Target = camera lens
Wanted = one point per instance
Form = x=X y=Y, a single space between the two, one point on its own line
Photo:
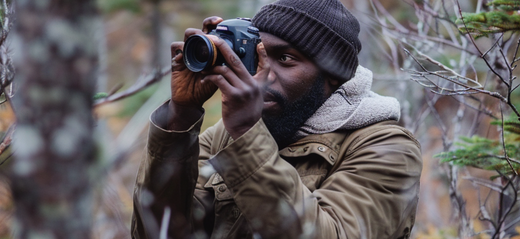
x=202 y=54
x=199 y=53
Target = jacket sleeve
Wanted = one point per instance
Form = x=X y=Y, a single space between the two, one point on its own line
x=166 y=181
x=372 y=194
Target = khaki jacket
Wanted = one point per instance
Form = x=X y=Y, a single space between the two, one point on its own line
x=349 y=184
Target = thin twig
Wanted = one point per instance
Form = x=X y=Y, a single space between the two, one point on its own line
x=137 y=87
x=502 y=215
x=442 y=66
x=504 y=142
x=493 y=94
x=466 y=27
x=7 y=139
x=483 y=210
x=484 y=111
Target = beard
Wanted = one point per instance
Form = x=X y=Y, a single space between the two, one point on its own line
x=284 y=126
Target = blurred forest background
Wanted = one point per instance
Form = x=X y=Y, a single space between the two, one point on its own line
x=133 y=44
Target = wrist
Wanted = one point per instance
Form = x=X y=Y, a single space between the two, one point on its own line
x=171 y=116
x=181 y=117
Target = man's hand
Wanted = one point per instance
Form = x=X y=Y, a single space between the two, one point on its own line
x=211 y=23
x=242 y=94
x=188 y=90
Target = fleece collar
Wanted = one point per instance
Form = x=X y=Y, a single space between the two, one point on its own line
x=353 y=105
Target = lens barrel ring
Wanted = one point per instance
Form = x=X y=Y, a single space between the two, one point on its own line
x=200 y=53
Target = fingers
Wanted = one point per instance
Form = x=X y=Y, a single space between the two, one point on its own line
x=230 y=76
x=221 y=82
x=211 y=23
x=192 y=31
x=176 y=53
x=232 y=60
x=263 y=68
x=176 y=48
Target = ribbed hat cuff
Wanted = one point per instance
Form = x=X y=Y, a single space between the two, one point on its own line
x=331 y=52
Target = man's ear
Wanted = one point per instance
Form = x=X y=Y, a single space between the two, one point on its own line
x=333 y=82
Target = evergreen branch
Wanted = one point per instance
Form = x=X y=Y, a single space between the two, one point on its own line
x=511 y=3
x=510 y=159
x=485 y=60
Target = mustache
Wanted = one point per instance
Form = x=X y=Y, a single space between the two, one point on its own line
x=278 y=97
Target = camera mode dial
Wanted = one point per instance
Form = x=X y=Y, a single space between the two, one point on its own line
x=253 y=30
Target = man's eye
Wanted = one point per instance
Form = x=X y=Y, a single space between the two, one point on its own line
x=285 y=58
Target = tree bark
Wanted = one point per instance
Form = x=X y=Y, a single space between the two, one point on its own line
x=53 y=166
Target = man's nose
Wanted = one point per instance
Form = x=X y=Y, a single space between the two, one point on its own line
x=271 y=77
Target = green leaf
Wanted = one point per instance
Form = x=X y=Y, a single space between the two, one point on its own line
x=100 y=95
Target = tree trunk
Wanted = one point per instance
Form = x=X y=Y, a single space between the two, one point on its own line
x=52 y=170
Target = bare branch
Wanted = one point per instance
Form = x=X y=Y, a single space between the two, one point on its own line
x=516 y=87
x=501 y=214
x=504 y=142
x=140 y=84
x=483 y=111
x=466 y=27
x=442 y=66
x=485 y=183
x=483 y=211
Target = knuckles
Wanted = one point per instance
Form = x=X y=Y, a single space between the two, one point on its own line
x=246 y=94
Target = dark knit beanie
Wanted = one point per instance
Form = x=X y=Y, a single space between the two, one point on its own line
x=324 y=30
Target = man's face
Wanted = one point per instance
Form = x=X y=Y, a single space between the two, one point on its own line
x=295 y=89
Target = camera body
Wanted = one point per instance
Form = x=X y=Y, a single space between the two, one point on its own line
x=201 y=54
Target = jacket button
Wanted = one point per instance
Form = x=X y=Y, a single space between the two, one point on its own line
x=332 y=158
x=236 y=212
x=321 y=149
x=222 y=188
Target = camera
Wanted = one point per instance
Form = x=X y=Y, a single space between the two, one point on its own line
x=200 y=53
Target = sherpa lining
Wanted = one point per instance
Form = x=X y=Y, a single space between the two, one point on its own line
x=353 y=105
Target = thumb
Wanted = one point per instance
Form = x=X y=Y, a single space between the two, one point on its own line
x=262 y=71
x=176 y=48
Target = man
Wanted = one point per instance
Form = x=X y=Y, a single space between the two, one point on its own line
x=304 y=148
